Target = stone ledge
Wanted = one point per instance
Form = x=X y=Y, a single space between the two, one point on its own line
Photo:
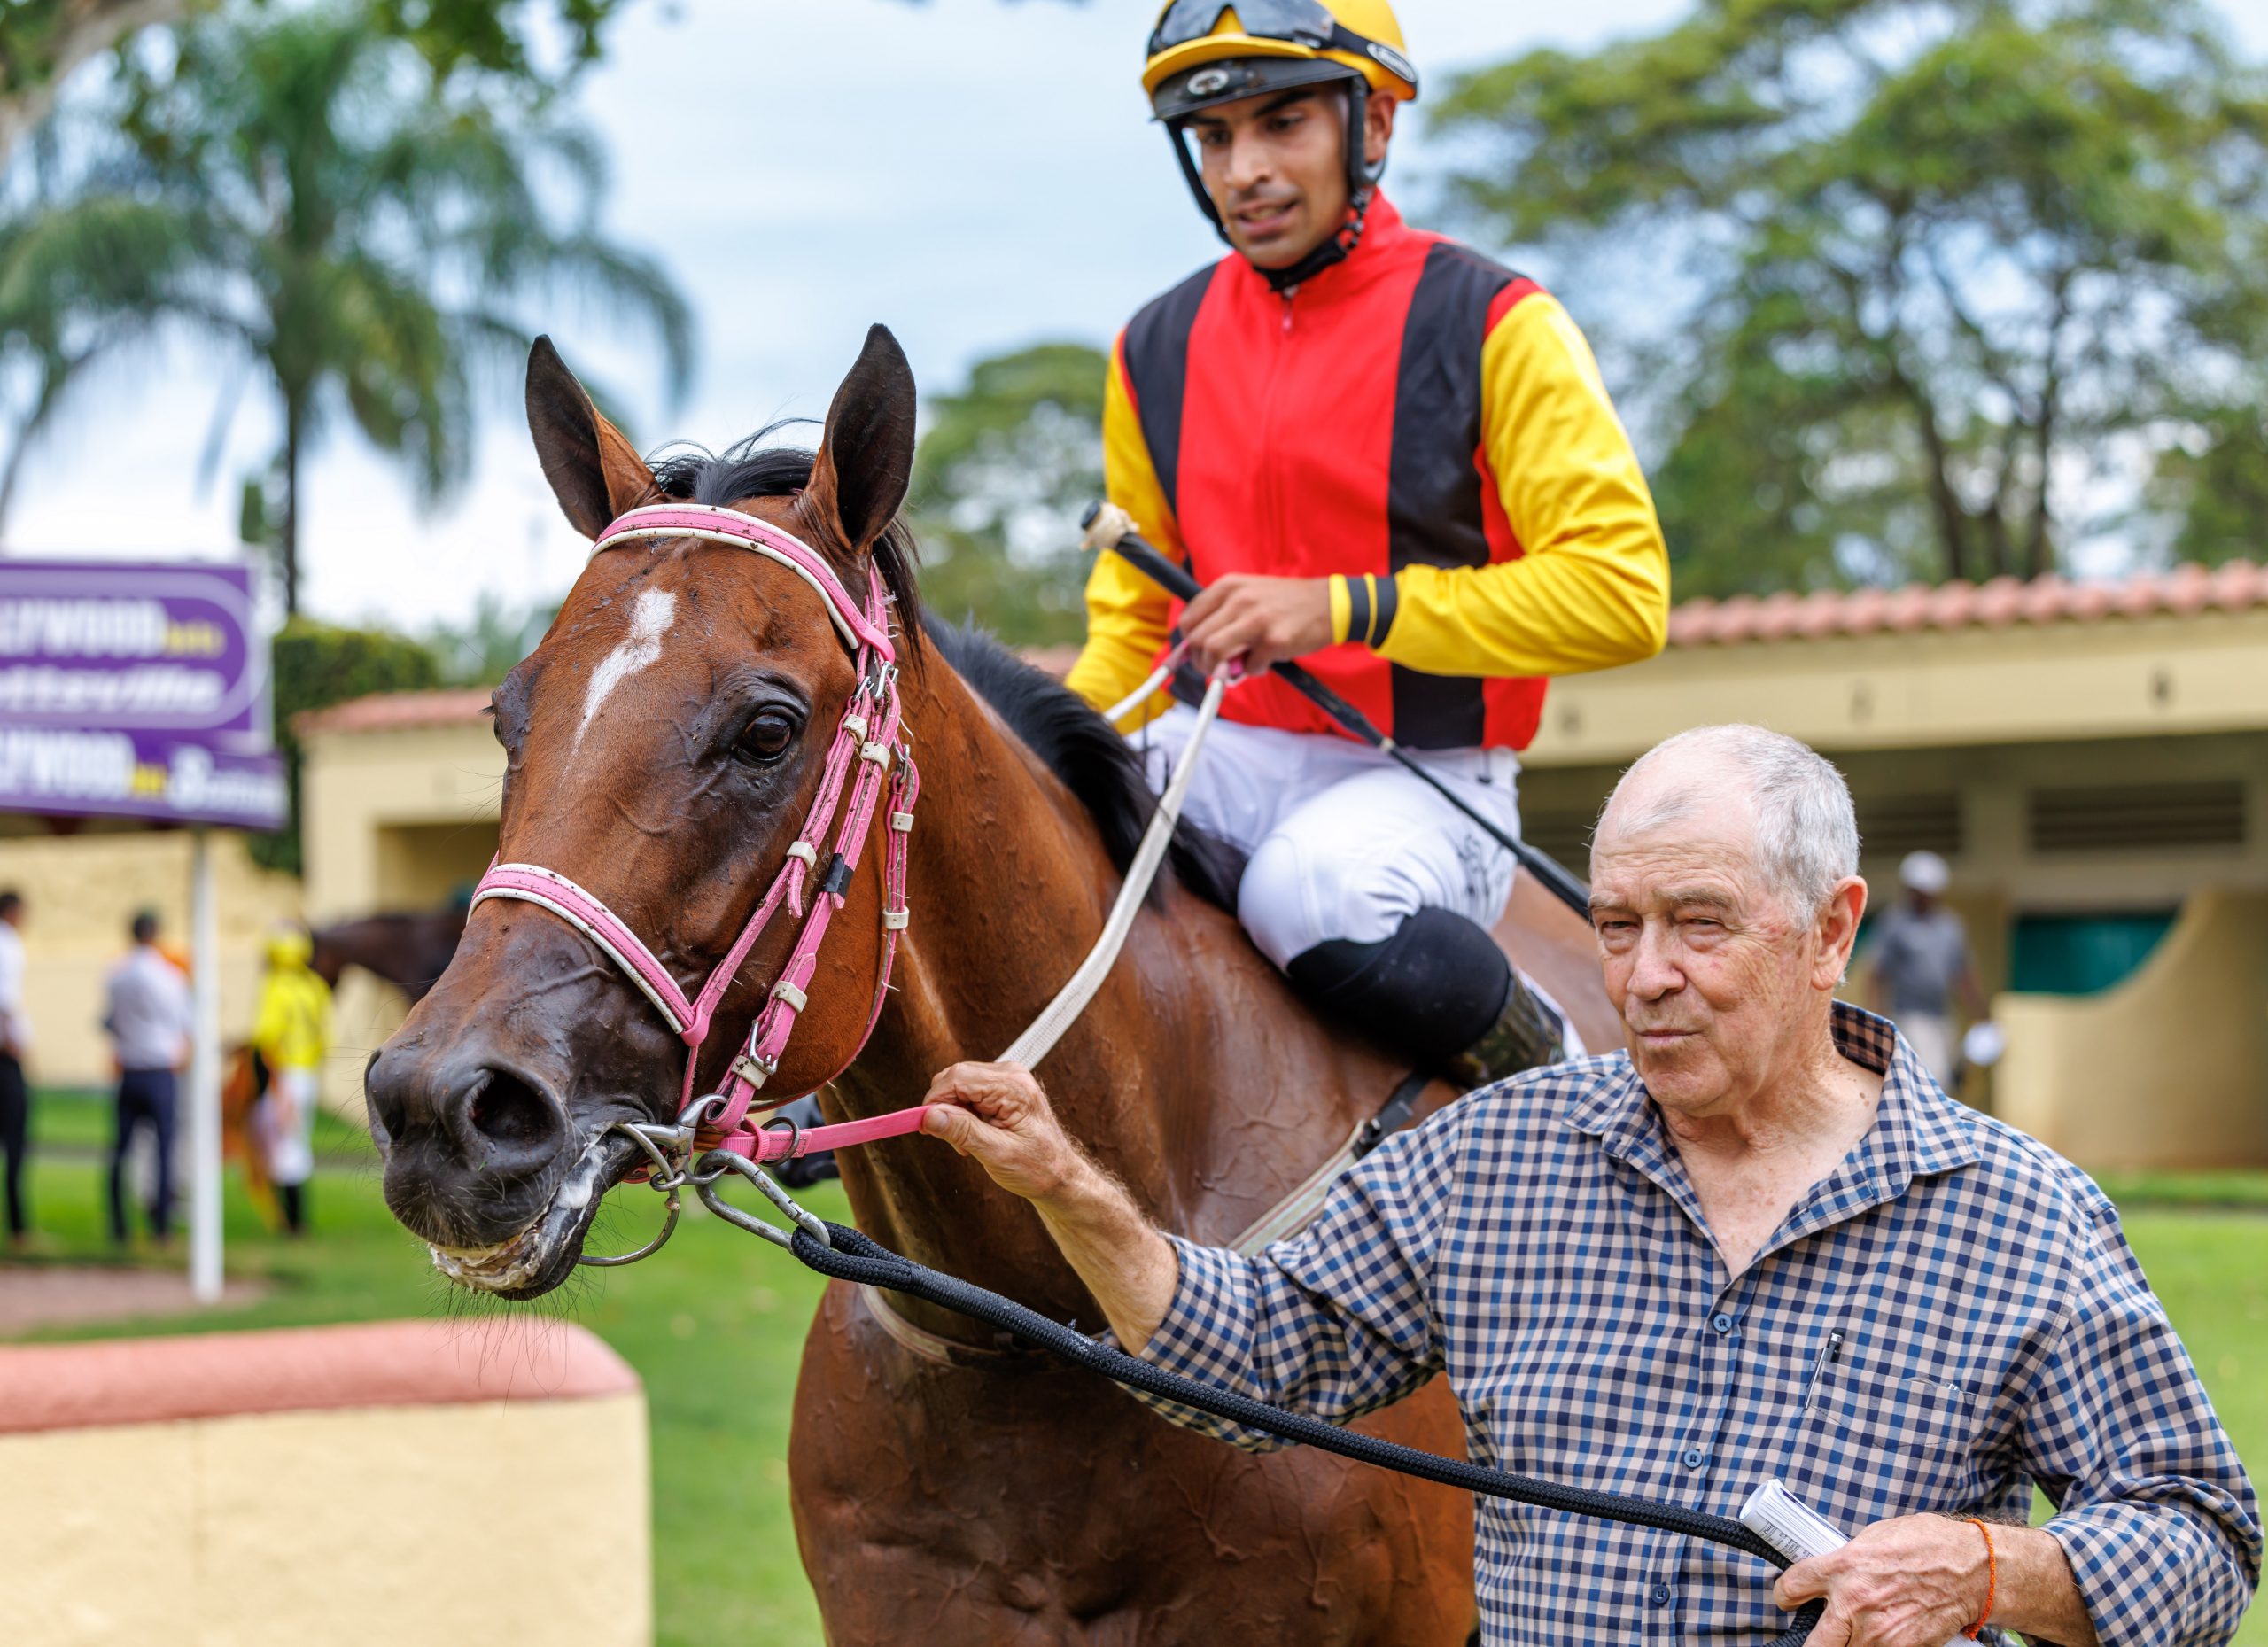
x=388 y=1363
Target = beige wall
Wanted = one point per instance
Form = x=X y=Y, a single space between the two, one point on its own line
x=374 y=1527
x=81 y=890
x=2168 y=1070
x=397 y=819
x=393 y=820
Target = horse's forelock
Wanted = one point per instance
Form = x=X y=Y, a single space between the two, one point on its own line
x=750 y=470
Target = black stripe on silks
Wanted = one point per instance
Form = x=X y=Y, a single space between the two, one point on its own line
x=1157 y=371
x=1432 y=504
x=1389 y=603
x=1358 y=609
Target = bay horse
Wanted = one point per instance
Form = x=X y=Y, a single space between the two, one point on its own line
x=664 y=745
x=409 y=949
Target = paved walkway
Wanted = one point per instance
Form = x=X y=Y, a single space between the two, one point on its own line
x=34 y=1296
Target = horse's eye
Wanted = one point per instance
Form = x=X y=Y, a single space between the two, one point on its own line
x=767 y=735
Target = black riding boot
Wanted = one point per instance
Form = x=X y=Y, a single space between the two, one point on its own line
x=1527 y=1035
x=1440 y=991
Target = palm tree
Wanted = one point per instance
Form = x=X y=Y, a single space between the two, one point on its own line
x=295 y=188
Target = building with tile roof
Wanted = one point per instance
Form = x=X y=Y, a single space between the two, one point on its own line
x=2091 y=758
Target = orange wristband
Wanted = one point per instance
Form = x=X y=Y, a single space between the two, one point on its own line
x=1991 y=1579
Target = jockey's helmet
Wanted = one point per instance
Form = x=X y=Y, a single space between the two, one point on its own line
x=1206 y=52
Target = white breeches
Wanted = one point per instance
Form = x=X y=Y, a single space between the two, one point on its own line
x=1343 y=843
x=286 y=1124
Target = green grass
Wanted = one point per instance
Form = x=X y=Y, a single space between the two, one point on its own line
x=715 y=1325
x=2236 y=1187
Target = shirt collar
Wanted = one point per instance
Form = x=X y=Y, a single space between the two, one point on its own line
x=1918 y=1130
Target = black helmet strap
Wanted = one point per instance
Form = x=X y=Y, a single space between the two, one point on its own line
x=1362 y=187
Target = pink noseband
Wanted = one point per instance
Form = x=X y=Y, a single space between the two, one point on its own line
x=867 y=740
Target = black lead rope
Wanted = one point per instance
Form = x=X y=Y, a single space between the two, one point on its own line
x=853 y=1257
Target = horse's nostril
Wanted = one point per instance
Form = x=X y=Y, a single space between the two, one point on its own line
x=507 y=1111
x=382 y=1093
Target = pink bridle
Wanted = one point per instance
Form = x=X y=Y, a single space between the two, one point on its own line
x=860 y=763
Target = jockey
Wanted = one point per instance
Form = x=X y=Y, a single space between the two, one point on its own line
x=1391 y=458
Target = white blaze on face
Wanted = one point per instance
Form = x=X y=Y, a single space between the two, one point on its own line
x=649 y=621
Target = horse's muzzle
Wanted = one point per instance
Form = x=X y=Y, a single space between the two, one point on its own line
x=473 y=1146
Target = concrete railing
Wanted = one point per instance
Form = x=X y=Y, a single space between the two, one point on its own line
x=398 y=1482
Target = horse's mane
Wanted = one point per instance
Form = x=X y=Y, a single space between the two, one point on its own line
x=749 y=468
x=1082 y=749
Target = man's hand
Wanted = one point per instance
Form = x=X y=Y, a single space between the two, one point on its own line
x=1915 y=1581
x=997 y=1116
x=1265 y=620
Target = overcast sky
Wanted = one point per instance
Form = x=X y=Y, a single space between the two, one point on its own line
x=976 y=175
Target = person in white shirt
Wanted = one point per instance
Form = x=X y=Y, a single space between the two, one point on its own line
x=146 y=1011
x=15 y=1041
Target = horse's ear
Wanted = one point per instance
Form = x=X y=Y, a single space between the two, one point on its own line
x=594 y=472
x=865 y=458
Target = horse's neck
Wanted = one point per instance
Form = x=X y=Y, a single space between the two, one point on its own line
x=407 y=950
x=1192 y=1076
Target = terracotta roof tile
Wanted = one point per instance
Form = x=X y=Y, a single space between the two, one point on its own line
x=395 y=712
x=2184 y=592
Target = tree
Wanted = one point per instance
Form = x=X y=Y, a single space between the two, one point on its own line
x=298 y=189
x=43 y=41
x=1009 y=462
x=483 y=651
x=1933 y=288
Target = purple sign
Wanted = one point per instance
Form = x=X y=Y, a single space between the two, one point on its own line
x=135 y=690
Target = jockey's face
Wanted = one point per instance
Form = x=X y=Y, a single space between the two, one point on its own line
x=1276 y=166
x=1724 y=988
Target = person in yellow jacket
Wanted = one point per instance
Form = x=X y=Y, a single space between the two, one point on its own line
x=291 y=1035
x=1392 y=458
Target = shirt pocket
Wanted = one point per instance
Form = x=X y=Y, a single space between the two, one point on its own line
x=1893 y=1406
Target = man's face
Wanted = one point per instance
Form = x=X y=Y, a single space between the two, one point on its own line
x=1721 y=987
x=1276 y=167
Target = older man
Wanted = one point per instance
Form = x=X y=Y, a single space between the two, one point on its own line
x=1758 y=1242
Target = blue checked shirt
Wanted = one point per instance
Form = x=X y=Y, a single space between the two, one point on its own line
x=1951 y=1316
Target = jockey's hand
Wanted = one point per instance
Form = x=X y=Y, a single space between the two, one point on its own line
x=1913 y=1581
x=1265 y=620
x=997 y=1116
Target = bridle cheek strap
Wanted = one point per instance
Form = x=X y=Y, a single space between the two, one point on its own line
x=867 y=760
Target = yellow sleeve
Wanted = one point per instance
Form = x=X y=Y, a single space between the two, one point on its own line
x=1592 y=588
x=1128 y=616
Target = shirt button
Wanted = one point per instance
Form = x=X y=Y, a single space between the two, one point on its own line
x=1692 y=1458
x=1661 y=1595
x=1723 y=1322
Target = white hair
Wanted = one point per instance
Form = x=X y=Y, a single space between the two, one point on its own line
x=1806 y=831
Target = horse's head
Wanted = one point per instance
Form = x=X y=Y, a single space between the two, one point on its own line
x=664 y=745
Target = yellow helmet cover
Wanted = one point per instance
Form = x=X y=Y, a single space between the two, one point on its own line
x=1261 y=46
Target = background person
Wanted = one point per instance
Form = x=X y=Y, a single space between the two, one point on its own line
x=1758 y=1242
x=1919 y=961
x=146 y=1012
x=15 y=1041
x=290 y=1036
x=1395 y=459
